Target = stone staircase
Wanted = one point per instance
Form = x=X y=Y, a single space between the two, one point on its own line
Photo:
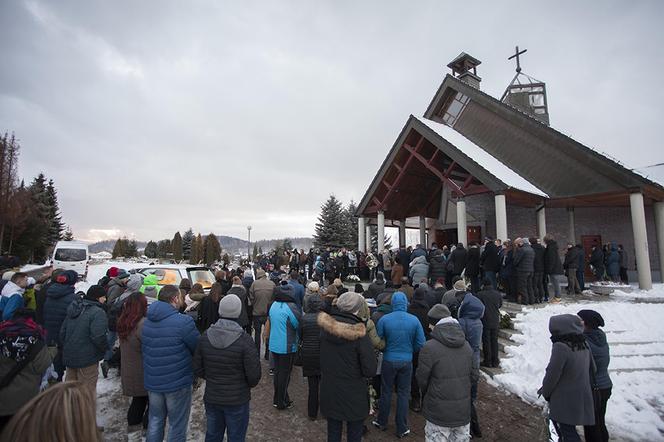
x=505 y=338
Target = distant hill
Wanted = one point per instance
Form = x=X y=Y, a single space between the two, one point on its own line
x=228 y=243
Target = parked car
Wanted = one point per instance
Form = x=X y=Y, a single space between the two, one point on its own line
x=174 y=273
x=71 y=255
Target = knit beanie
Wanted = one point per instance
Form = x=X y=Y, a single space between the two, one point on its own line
x=230 y=307
x=438 y=312
x=350 y=302
x=460 y=285
x=95 y=292
x=313 y=287
x=591 y=318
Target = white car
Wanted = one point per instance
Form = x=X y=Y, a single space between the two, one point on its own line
x=71 y=255
x=174 y=273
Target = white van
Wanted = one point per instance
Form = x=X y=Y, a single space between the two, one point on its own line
x=71 y=255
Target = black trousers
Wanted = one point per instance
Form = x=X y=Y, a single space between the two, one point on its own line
x=598 y=432
x=283 y=364
x=490 y=346
x=138 y=411
x=623 y=275
x=335 y=430
x=414 y=386
x=538 y=284
x=312 y=401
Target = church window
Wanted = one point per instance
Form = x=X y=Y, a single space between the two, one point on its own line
x=455 y=108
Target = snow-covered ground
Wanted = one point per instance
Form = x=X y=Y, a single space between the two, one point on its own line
x=30 y=267
x=635 y=331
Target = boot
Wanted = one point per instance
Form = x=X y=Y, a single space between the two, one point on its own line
x=475 y=431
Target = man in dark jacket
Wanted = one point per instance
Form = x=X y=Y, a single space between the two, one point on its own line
x=524 y=259
x=228 y=360
x=538 y=270
x=376 y=287
x=437 y=265
x=473 y=266
x=570 y=265
x=83 y=337
x=445 y=374
x=58 y=297
x=597 y=261
x=581 y=269
x=457 y=261
x=552 y=267
x=169 y=340
x=310 y=351
x=260 y=295
x=346 y=360
x=490 y=261
x=492 y=300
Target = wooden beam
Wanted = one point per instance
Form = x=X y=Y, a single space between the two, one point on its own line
x=455 y=187
x=401 y=174
x=467 y=182
x=449 y=169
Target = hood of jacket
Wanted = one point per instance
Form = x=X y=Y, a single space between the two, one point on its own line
x=565 y=325
x=471 y=307
x=596 y=336
x=223 y=333
x=12 y=289
x=77 y=307
x=58 y=290
x=399 y=302
x=160 y=310
x=438 y=257
x=115 y=281
x=198 y=297
x=135 y=282
x=419 y=260
x=150 y=280
x=347 y=328
x=449 y=334
x=314 y=303
x=284 y=293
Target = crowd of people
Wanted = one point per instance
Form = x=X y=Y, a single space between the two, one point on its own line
x=416 y=330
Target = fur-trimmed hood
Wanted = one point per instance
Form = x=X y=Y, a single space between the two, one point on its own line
x=343 y=326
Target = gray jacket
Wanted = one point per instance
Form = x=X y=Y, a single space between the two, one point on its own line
x=419 y=269
x=566 y=384
x=83 y=334
x=445 y=372
x=524 y=258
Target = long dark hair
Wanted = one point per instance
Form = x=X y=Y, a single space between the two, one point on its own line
x=134 y=309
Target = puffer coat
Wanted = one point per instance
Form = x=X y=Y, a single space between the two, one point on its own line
x=131 y=369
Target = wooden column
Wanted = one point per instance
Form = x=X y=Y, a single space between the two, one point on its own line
x=640 y=241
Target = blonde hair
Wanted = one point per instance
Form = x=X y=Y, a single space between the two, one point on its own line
x=64 y=412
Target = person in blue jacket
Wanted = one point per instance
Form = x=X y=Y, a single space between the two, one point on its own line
x=58 y=297
x=285 y=318
x=403 y=336
x=12 y=295
x=470 y=320
x=298 y=289
x=169 y=340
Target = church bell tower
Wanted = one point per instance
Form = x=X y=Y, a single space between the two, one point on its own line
x=526 y=93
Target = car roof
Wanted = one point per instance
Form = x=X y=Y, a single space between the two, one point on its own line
x=174 y=267
x=71 y=245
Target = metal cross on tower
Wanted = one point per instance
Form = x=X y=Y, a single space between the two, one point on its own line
x=516 y=55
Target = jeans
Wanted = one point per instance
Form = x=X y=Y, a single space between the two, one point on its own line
x=556 y=286
x=399 y=373
x=111 y=336
x=491 y=276
x=312 y=401
x=598 y=432
x=335 y=430
x=581 y=278
x=175 y=405
x=283 y=364
x=259 y=322
x=230 y=419
x=566 y=432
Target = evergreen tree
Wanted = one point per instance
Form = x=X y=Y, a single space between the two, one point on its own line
x=287 y=244
x=9 y=149
x=255 y=252
x=121 y=247
x=187 y=241
x=226 y=259
x=56 y=226
x=35 y=239
x=68 y=235
x=212 y=249
x=374 y=240
x=260 y=250
x=350 y=224
x=196 y=250
x=132 y=249
x=164 y=248
x=329 y=230
x=151 y=249
x=176 y=246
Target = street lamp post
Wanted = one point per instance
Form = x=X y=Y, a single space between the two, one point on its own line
x=249 y=243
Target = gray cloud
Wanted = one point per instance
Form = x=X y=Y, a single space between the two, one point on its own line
x=156 y=116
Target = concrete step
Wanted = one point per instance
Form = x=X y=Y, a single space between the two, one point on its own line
x=507 y=333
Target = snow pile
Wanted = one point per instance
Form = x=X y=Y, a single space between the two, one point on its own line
x=31 y=267
x=635 y=332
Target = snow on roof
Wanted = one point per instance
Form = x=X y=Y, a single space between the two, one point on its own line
x=487 y=161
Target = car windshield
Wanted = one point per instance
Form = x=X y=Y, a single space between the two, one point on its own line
x=164 y=276
x=69 y=255
x=204 y=277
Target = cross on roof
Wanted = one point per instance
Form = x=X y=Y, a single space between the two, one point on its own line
x=516 y=55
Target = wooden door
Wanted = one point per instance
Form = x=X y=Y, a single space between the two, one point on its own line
x=446 y=237
x=474 y=234
x=587 y=241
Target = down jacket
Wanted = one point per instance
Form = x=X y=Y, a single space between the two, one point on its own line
x=470 y=320
x=437 y=266
x=445 y=372
x=311 y=338
x=83 y=334
x=552 y=264
x=58 y=298
x=524 y=259
x=419 y=270
x=169 y=341
x=346 y=359
x=227 y=358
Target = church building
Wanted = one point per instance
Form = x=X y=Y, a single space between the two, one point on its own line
x=474 y=166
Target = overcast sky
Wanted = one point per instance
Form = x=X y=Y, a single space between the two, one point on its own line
x=154 y=116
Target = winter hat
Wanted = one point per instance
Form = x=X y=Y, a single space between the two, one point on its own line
x=371 y=303
x=248 y=273
x=7 y=275
x=112 y=272
x=260 y=273
x=380 y=276
x=359 y=288
x=230 y=307
x=123 y=274
x=313 y=287
x=460 y=285
x=438 y=312
x=31 y=281
x=95 y=292
x=68 y=277
x=338 y=282
x=350 y=302
x=135 y=282
x=591 y=318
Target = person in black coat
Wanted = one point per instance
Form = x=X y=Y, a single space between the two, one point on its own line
x=437 y=265
x=228 y=360
x=552 y=266
x=538 y=270
x=570 y=265
x=420 y=308
x=597 y=261
x=492 y=300
x=310 y=352
x=490 y=261
x=458 y=258
x=346 y=360
x=473 y=266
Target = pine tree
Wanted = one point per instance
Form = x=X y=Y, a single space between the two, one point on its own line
x=120 y=248
x=260 y=250
x=34 y=241
x=54 y=218
x=226 y=259
x=212 y=249
x=187 y=241
x=350 y=224
x=68 y=235
x=132 y=249
x=196 y=250
x=329 y=230
x=164 y=248
x=287 y=244
x=254 y=254
x=9 y=149
x=150 y=249
x=176 y=246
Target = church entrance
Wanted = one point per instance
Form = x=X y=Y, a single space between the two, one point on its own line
x=587 y=241
x=447 y=237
